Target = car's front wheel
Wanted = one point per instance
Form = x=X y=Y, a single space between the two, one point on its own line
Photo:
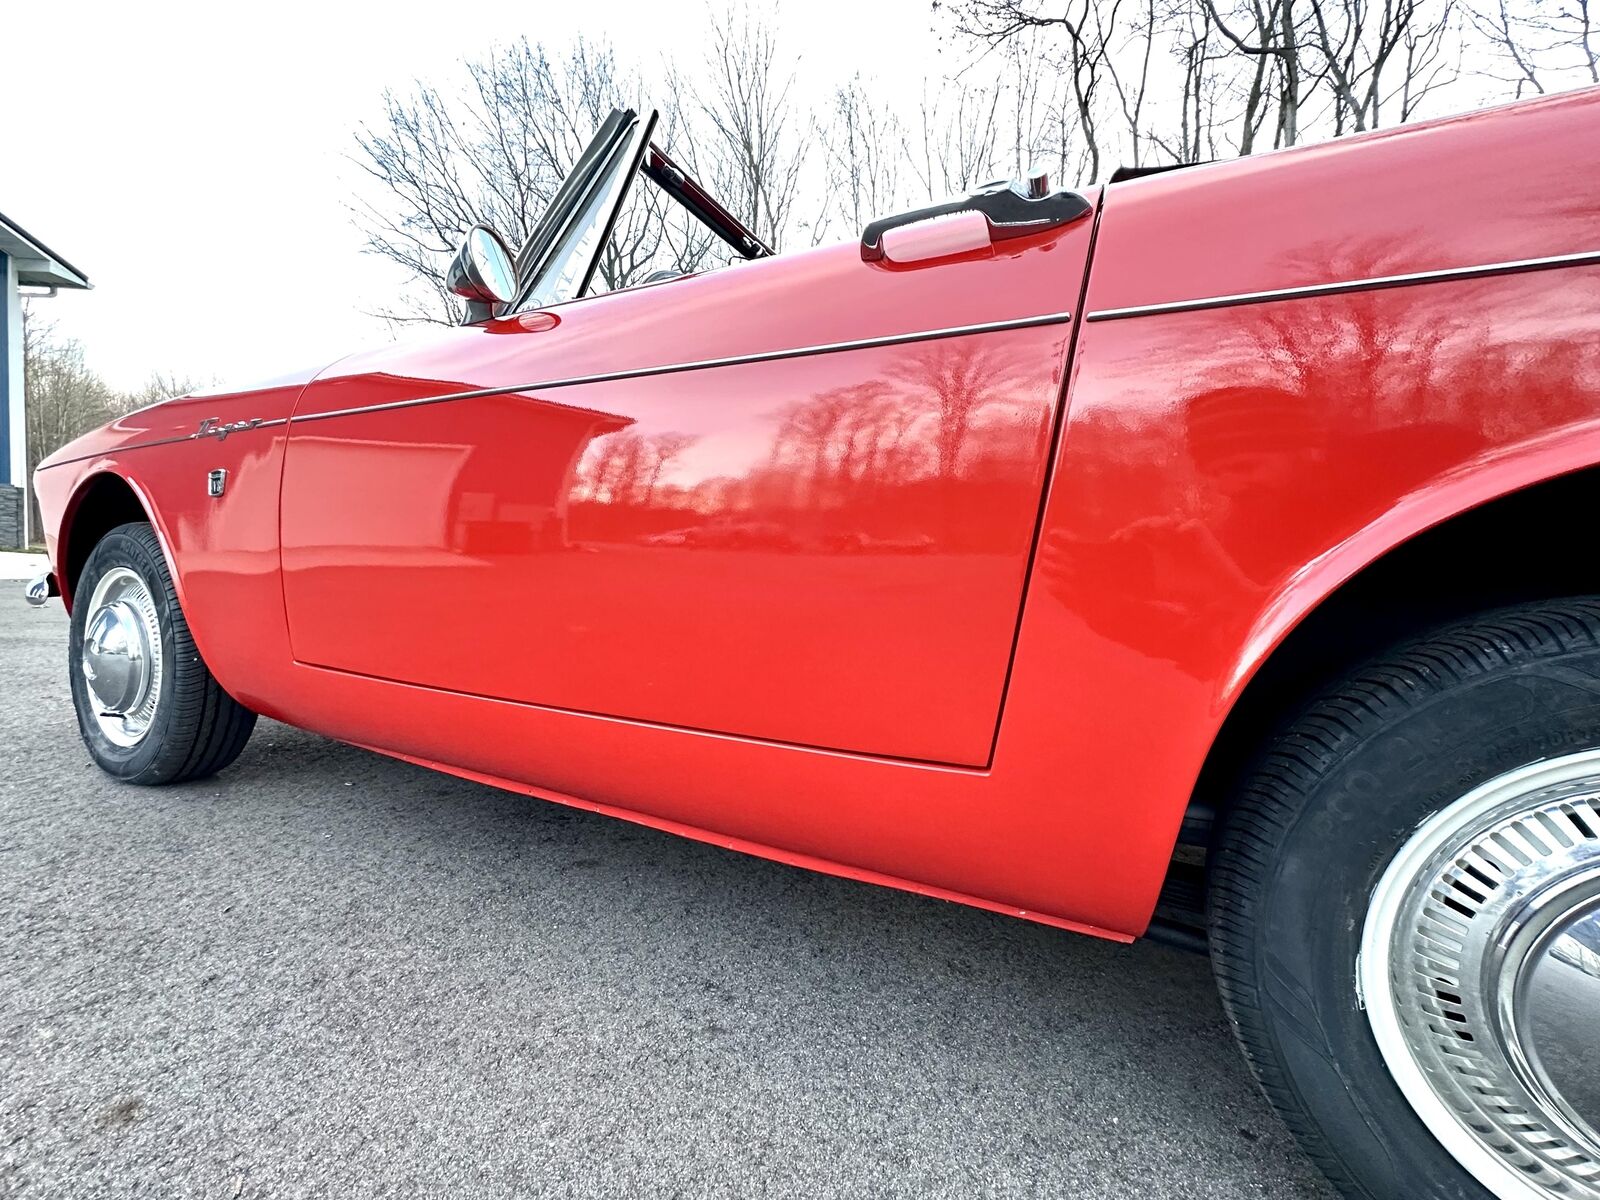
x=148 y=708
x=1405 y=915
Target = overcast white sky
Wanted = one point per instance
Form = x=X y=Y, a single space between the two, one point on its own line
x=192 y=158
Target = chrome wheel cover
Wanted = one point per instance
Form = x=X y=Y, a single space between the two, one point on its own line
x=121 y=656
x=1480 y=974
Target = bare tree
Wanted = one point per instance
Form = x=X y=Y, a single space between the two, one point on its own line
x=1535 y=45
x=1073 y=85
x=1193 y=135
x=1507 y=46
x=64 y=397
x=1268 y=34
x=495 y=152
x=1363 y=46
x=1582 y=38
x=1132 y=92
x=1248 y=73
x=863 y=146
x=162 y=385
x=1082 y=30
x=744 y=109
x=958 y=139
x=1120 y=96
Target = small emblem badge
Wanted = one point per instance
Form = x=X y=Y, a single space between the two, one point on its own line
x=216 y=481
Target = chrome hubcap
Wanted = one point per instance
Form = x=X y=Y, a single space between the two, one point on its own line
x=1480 y=973
x=1558 y=1012
x=121 y=660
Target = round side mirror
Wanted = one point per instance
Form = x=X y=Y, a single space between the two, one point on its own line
x=481 y=270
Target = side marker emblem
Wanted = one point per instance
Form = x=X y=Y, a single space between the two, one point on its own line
x=212 y=427
x=216 y=482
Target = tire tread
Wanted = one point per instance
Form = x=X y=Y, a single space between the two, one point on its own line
x=207 y=728
x=1275 y=789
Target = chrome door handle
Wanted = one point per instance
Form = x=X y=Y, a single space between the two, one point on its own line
x=1009 y=208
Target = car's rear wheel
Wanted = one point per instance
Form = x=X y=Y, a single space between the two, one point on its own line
x=1405 y=914
x=148 y=708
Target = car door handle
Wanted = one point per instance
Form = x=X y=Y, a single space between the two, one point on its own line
x=1009 y=210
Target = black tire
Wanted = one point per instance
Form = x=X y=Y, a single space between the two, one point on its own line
x=197 y=729
x=1315 y=822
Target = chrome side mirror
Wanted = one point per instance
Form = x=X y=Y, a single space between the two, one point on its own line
x=482 y=273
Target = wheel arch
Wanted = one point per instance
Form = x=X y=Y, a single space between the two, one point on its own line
x=1510 y=546
x=103 y=499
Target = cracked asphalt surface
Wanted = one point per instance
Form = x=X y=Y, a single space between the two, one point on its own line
x=325 y=972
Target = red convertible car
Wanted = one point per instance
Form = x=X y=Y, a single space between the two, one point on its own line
x=1198 y=554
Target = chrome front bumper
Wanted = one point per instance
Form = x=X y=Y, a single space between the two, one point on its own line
x=40 y=588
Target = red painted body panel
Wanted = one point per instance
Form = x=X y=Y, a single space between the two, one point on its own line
x=176 y=420
x=1485 y=187
x=828 y=551
x=223 y=553
x=1217 y=474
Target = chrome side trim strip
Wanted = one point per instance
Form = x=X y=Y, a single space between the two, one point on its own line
x=926 y=335
x=703 y=364
x=1375 y=283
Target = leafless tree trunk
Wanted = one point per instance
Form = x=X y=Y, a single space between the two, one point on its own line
x=1132 y=92
x=1362 y=45
x=1082 y=29
x=1268 y=35
x=1194 y=136
x=1534 y=42
x=1585 y=39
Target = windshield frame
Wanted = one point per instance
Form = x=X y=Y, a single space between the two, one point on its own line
x=616 y=149
x=623 y=143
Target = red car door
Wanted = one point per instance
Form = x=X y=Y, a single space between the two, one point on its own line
x=791 y=500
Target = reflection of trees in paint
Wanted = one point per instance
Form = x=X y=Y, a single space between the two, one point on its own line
x=896 y=461
x=1209 y=456
x=880 y=432
x=626 y=467
x=960 y=378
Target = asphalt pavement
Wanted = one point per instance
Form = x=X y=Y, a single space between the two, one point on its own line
x=328 y=973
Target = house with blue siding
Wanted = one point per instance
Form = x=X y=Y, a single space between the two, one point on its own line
x=27 y=267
